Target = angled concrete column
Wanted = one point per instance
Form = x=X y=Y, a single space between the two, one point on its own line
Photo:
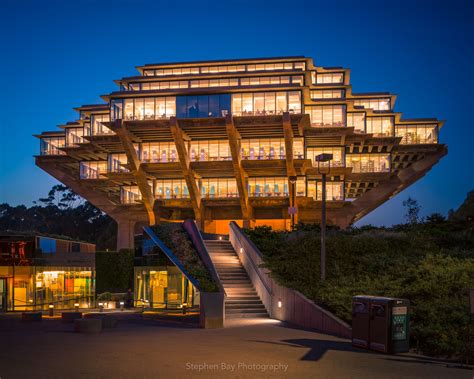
x=234 y=144
x=188 y=173
x=125 y=234
x=290 y=166
x=136 y=169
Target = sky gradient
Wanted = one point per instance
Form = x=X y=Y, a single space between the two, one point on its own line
x=59 y=55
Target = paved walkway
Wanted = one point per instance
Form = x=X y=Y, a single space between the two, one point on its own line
x=246 y=348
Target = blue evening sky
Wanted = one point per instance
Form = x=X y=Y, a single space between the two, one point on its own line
x=58 y=55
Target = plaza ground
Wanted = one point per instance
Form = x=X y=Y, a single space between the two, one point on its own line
x=148 y=348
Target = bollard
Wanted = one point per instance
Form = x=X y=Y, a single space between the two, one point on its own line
x=51 y=310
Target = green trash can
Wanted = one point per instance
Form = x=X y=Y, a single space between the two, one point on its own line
x=381 y=324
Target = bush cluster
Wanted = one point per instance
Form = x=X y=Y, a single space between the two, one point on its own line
x=431 y=264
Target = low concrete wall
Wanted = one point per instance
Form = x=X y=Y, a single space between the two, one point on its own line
x=295 y=307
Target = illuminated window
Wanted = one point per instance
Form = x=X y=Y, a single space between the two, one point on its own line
x=130 y=195
x=74 y=136
x=337 y=154
x=327 y=94
x=158 y=152
x=330 y=78
x=218 y=187
x=327 y=115
x=116 y=162
x=266 y=103
x=93 y=169
x=51 y=145
x=356 y=121
x=375 y=104
x=362 y=163
x=380 y=126
x=417 y=133
x=268 y=187
x=334 y=190
x=170 y=189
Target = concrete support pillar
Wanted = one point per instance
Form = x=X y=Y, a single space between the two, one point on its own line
x=125 y=234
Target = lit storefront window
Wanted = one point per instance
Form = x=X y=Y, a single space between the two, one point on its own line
x=93 y=169
x=337 y=153
x=266 y=103
x=380 y=126
x=163 y=287
x=218 y=187
x=417 y=134
x=35 y=287
x=210 y=150
x=362 y=163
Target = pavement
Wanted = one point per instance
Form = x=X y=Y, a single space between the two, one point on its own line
x=139 y=348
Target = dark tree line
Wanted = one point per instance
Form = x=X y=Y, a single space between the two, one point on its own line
x=61 y=213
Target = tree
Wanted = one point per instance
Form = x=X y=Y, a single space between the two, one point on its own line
x=412 y=210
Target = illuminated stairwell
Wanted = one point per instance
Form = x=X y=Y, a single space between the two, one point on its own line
x=242 y=300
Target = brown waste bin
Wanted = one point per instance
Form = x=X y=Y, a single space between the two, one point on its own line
x=380 y=323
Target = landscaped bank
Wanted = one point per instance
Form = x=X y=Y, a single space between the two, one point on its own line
x=431 y=264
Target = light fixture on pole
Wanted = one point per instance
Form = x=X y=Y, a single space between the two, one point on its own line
x=292 y=209
x=323 y=158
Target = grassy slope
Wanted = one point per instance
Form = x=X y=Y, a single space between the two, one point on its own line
x=431 y=264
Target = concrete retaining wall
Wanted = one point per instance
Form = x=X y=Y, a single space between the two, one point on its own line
x=283 y=303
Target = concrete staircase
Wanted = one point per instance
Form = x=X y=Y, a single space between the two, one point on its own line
x=242 y=300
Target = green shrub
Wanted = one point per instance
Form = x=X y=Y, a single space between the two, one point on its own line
x=114 y=270
x=430 y=264
x=176 y=239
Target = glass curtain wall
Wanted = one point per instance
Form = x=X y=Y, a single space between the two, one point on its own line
x=74 y=136
x=329 y=78
x=93 y=169
x=327 y=94
x=356 y=121
x=218 y=187
x=334 y=190
x=202 y=106
x=380 y=126
x=375 y=104
x=362 y=163
x=417 y=134
x=337 y=153
x=327 y=115
x=130 y=195
x=170 y=189
x=163 y=287
x=51 y=145
x=210 y=150
x=35 y=287
x=266 y=103
x=97 y=127
x=145 y=108
x=116 y=162
x=158 y=152
x=270 y=148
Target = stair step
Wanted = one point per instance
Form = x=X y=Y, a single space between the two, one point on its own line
x=246 y=315
x=245 y=306
x=246 y=310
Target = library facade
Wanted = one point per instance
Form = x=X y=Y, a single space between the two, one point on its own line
x=237 y=140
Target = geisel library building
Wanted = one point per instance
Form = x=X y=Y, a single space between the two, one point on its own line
x=227 y=140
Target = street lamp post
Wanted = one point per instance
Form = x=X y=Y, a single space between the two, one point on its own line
x=292 y=201
x=323 y=158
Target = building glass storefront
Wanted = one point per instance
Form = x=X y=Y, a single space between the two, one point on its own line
x=163 y=287
x=26 y=288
